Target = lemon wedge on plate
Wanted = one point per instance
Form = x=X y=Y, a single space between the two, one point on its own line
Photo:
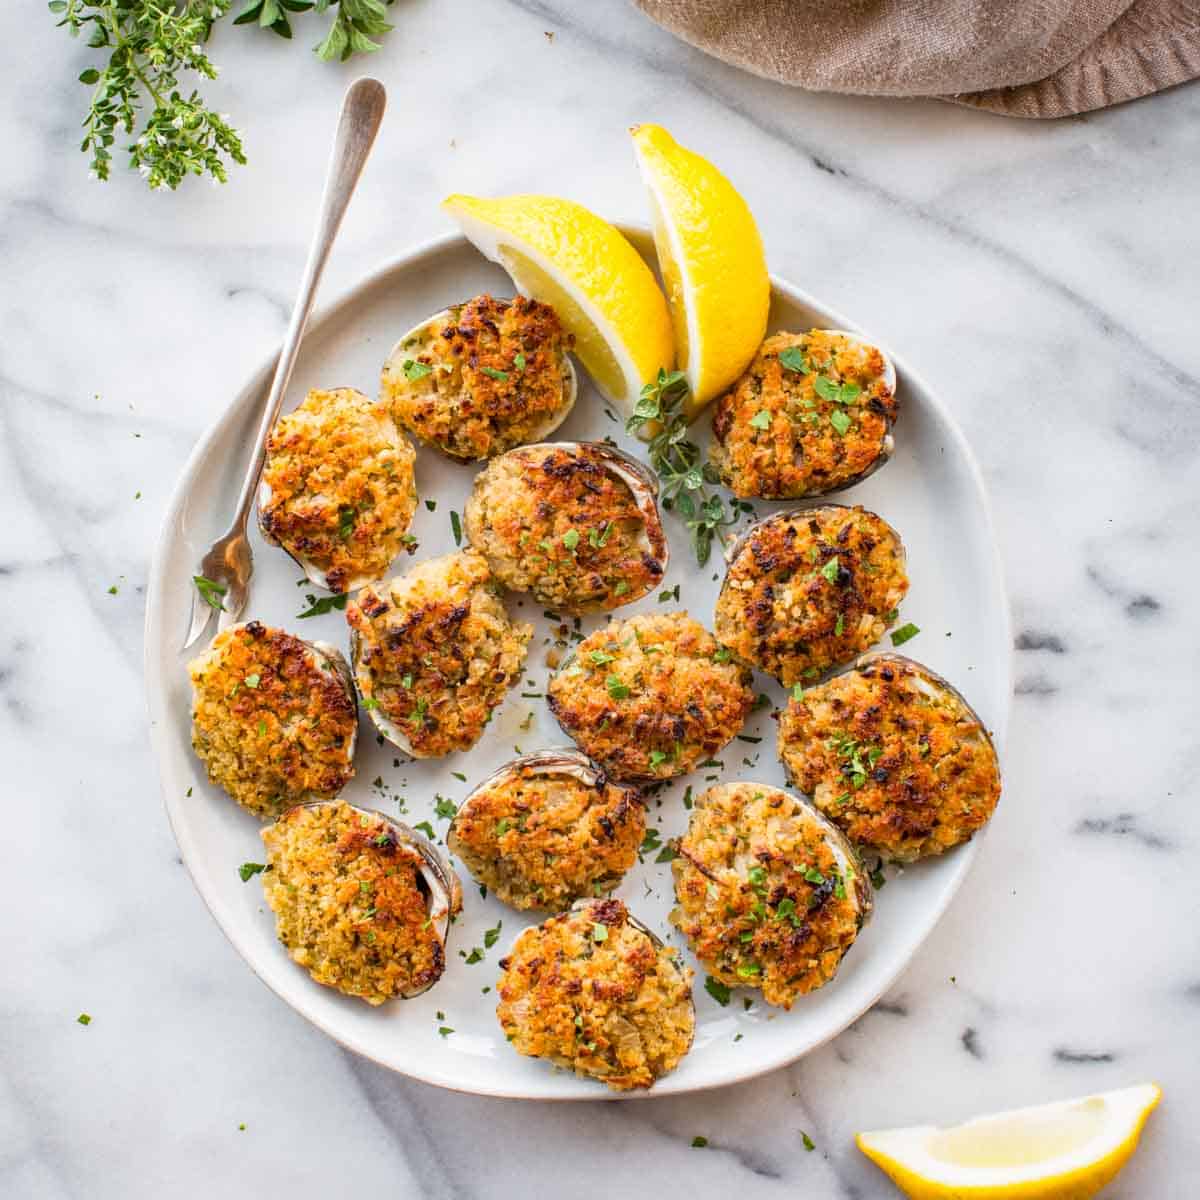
x=711 y=258
x=562 y=254
x=1063 y=1151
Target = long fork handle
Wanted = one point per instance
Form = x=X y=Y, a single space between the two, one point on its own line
x=362 y=111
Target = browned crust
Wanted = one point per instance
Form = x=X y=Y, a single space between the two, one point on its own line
x=811 y=590
x=801 y=452
x=614 y=1008
x=342 y=491
x=893 y=757
x=762 y=898
x=436 y=651
x=271 y=727
x=350 y=903
x=540 y=840
x=479 y=400
x=558 y=522
x=687 y=698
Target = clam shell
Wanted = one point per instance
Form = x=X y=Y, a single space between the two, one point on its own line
x=418 y=337
x=444 y=889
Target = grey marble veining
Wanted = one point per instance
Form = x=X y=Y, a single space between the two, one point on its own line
x=1044 y=280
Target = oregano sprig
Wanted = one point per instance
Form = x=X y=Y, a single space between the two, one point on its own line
x=682 y=474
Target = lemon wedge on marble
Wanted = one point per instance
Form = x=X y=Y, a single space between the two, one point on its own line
x=711 y=259
x=559 y=252
x=1063 y=1151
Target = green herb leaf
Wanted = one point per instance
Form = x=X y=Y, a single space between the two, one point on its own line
x=325 y=604
x=904 y=634
x=761 y=420
x=840 y=421
x=491 y=936
x=570 y=539
x=347 y=516
x=456 y=527
x=443 y=808
x=838 y=393
x=717 y=990
x=793 y=360
x=84 y=1019
x=492 y=373
x=247 y=869
x=616 y=689
x=426 y=829
x=519 y=362
x=809 y=1144
x=414 y=370
x=597 y=538
x=698 y=1143
x=599 y=933
x=830 y=569
x=210 y=592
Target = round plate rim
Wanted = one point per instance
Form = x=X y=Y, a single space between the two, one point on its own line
x=158 y=710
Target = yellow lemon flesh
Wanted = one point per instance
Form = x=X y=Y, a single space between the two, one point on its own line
x=1063 y=1151
x=560 y=253
x=711 y=258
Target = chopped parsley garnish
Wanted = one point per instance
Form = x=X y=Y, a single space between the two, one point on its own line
x=417 y=719
x=317 y=608
x=347 y=515
x=812 y=875
x=830 y=569
x=793 y=360
x=431 y=505
x=414 y=370
x=809 y=1144
x=570 y=539
x=599 y=933
x=252 y=681
x=456 y=527
x=670 y=594
x=490 y=936
x=761 y=420
x=475 y=956
x=723 y=655
x=598 y=538
x=717 y=990
x=687 y=797
x=656 y=757
x=666 y=854
x=492 y=373
x=840 y=421
x=797 y=691
x=840 y=627
x=426 y=829
x=600 y=657
x=519 y=361
x=698 y=1143
x=459 y=776
x=904 y=634
x=622 y=586
x=503 y=826
x=444 y=808
x=877 y=877
x=210 y=592
x=247 y=869
x=651 y=841
x=616 y=689
x=112 y=591
x=749 y=970
x=838 y=393
x=445 y=1030
x=84 y=1019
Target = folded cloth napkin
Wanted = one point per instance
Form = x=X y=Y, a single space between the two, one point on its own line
x=1022 y=58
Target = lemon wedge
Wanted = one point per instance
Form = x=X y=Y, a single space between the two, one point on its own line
x=1063 y=1151
x=562 y=254
x=711 y=259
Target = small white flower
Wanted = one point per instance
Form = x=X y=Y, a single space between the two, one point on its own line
x=177 y=123
x=197 y=49
x=142 y=140
x=158 y=137
x=143 y=170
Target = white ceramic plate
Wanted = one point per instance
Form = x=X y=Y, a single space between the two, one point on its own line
x=931 y=492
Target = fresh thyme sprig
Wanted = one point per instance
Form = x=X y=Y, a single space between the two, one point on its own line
x=681 y=472
x=151 y=44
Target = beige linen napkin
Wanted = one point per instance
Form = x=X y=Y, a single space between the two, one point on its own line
x=1022 y=58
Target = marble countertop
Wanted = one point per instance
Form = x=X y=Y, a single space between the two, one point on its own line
x=1043 y=279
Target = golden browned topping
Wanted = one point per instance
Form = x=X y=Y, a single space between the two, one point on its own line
x=487 y=376
x=559 y=521
x=351 y=904
x=541 y=836
x=894 y=756
x=651 y=697
x=810 y=414
x=591 y=992
x=807 y=591
x=769 y=895
x=273 y=718
x=434 y=653
x=339 y=482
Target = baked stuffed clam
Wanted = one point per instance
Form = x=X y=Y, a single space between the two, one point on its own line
x=574 y=523
x=434 y=653
x=594 y=991
x=807 y=590
x=481 y=377
x=337 y=490
x=274 y=718
x=812 y=414
x=547 y=829
x=894 y=756
x=362 y=902
x=770 y=894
